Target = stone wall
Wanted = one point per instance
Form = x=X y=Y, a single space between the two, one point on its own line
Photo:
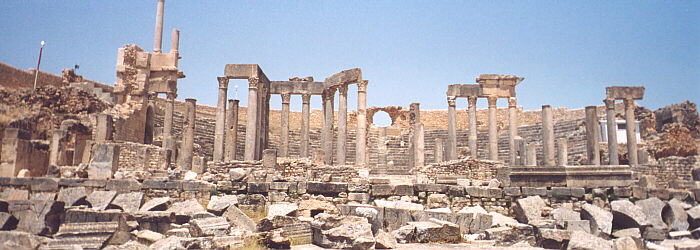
x=466 y=168
x=135 y=156
x=671 y=172
x=13 y=78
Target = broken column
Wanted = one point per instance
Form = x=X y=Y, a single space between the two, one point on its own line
x=284 y=135
x=631 y=133
x=232 y=130
x=168 y=139
x=104 y=128
x=439 y=150
x=493 y=132
x=451 y=151
x=512 y=128
x=305 y=116
x=188 y=138
x=612 y=131
x=220 y=129
x=473 y=148
x=327 y=133
x=57 y=150
x=547 y=136
x=563 y=152
x=157 y=41
x=592 y=146
x=520 y=149
x=531 y=154
x=361 y=137
x=342 y=122
x=416 y=158
x=251 y=119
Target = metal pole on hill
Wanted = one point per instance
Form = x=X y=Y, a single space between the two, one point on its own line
x=36 y=74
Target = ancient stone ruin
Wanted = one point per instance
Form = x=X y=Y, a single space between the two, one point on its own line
x=88 y=165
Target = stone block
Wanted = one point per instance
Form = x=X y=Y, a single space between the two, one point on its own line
x=269 y=158
x=314 y=187
x=560 y=192
x=128 y=202
x=156 y=204
x=258 y=187
x=529 y=209
x=530 y=191
x=382 y=190
x=213 y=226
x=359 y=197
x=622 y=192
x=72 y=196
x=123 y=186
x=279 y=186
x=196 y=185
x=600 y=219
x=578 y=192
x=14 y=194
x=395 y=218
x=578 y=225
x=429 y=187
x=357 y=187
x=494 y=193
x=477 y=191
x=404 y=190
x=651 y=233
x=512 y=191
x=43 y=184
x=639 y=192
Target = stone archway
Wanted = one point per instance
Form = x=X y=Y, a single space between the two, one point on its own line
x=398 y=115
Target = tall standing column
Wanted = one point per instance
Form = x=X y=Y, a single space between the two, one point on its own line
x=305 y=116
x=473 y=146
x=592 y=146
x=168 y=122
x=284 y=136
x=493 y=132
x=158 y=39
x=512 y=128
x=547 y=135
x=251 y=119
x=563 y=152
x=342 y=122
x=631 y=133
x=417 y=148
x=188 y=142
x=361 y=140
x=232 y=130
x=327 y=135
x=612 y=131
x=220 y=129
x=451 y=151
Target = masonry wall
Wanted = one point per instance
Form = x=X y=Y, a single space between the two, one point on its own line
x=671 y=172
x=11 y=77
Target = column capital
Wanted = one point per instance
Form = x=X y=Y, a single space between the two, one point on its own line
x=451 y=101
x=171 y=96
x=609 y=103
x=306 y=98
x=343 y=90
x=223 y=82
x=285 y=98
x=512 y=102
x=328 y=93
x=492 y=101
x=191 y=100
x=628 y=101
x=253 y=82
x=472 y=101
x=362 y=86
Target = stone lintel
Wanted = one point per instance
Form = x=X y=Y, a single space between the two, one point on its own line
x=245 y=71
x=463 y=90
x=624 y=92
x=296 y=87
x=343 y=77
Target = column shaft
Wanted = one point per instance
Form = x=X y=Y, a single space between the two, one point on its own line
x=493 y=132
x=232 y=130
x=158 y=39
x=631 y=133
x=361 y=137
x=251 y=120
x=547 y=135
x=188 y=141
x=592 y=145
x=512 y=128
x=220 y=128
x=531 y=155
x=168 y=140
x=328 y=126
x=473 y=146
x=451 y=151
x=439 y=150
x=305 y=116
x=563 y=152
x=284 y=136
x=342 y=123
x=612 y=131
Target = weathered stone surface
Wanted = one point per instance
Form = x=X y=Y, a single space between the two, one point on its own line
x=694 y=217
x=626 y=243
x=342 y=232
x=629 y=232
x=213 y=226
x=156 y=204
x=676 y=217
x=44 y=196
x=273 y=222
x=148 y=237
x=10 y=194
x=438 y=200
x=500 y=220
x=283 y=209
x=384 y=240
x=653 y=233
x=578 y=225
x=563 y=214
x=7 y=221
x=306 y=206
x=653 y=208
x=276 y=239
x=326 y=187
x=436 y=230
x=99 y=200
x=72 y=196
x=105 y=161
x=238 y=219
x=130 y=245
x=218 y=204
x=553 y=238
x=398 y=204
x=18 y=240
x=395 y=218
x=128 y=202
x=87 y=235
x=37 y=217
x=627 y=215
x=585 y=241
x=529 y=209
x=600 y=219
x=185 y=210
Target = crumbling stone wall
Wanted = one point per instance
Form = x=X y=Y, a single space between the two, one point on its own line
x=671 y=170
x=14 y=78
x=136 y=156
x=466 y=168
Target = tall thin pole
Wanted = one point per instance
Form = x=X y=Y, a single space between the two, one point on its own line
x=36 y=74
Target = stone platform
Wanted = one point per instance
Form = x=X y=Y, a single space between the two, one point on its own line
x=587 y=176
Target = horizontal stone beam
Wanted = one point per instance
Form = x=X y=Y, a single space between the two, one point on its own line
x=463 y=90
x=619 y=92
x=343 y=77
x=245 y=71
x=296 y=87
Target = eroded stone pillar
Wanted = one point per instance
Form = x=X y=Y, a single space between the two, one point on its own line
x=531 y=154
x=631 y=133
x=520 y=149
x=612 y=131
x=342 y=122
x=168 y=140
x=439 y=150
x=563 y=154
x=232 y=130
x=305 y=117
x=451 y=151
x=251 y=120
x=157 y=41
x=361 y=140
x=417 y=148
x=473 y=146
x=327 y=133
x=105 y=127
x=592 y=146
x=547 y=136
x=493 y=132
x=188 y=139
x=284 y=136
x=57 y=154
x=220 y=129
x=512 y=128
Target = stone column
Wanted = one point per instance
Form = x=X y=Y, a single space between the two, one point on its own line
x=168 y=122
x=520 y=148
x=439 y=150
x=361 y=136
x=612 y=131
x=512 y=128
x=631 y=134
x=251 y=119
x=327 y=133
x=220 y=129
x=547 y=136
x=188 y=141
x=531 y=154
x=157 y=41
x=563 y=152
x=451 y=151
x=57 y=155
x=493 y=132
x=473 y=146
x=232 y=130
x=104 y=128
x=284 y=136
x=305 y=116
x=342 y=122
x=592 y=146
x=416 y=149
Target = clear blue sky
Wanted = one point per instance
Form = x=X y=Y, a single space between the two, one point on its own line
x=568 y=51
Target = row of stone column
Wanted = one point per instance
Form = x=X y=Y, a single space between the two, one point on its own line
x=327 y=131
x=593 y=148
x=226 y=130
x=305 y=118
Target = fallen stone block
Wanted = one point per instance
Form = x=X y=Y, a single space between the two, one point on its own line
x=314 y=187
x=384 y=240
x=629 y=232
x=626 y=243
x=185 y=210
x=578 y=225
x=342 y=232
x=275 y=222
x=676 y=217
x=7 y=221
x=72 y=196
x=99 y=200
x=218 y=204
x=14 y=194
x=436 y=231
x=553 y=238
x=156 y=204
x=679 y=235
x=128 y=202
x=627 y=215
x=563 y=214
x=37 y=217
x=405 y=234
x=213 y=226
x=276 y=239
x=653 y=208
x=694 y=217
x=148 y=237
x=584 y=241
x=600 y=219
x=87 y=235
x=18 y=240
x=653 y=233
x=529 y=209
x=283 y=209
